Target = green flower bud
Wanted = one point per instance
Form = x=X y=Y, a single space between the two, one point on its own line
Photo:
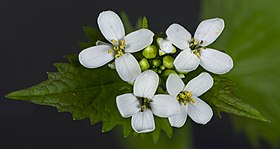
x=168 y=61
x=159 y=71
x=156 y=62
x=167 y=72
x=150 y=52
x=162 y=67
x=144 y=64
x=154 y=69
x=181 y=75
x=161 y=53
x=173 y=51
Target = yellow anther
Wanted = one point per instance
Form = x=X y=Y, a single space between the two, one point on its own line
x=122 y=46
x=181 y=95
x=195 y=42
x=122 y=42
x=114 y=41
x=192 y=100
x=185 y=102
x=116 y=48
x=144 y=103
x=196 y=53
x=185 y=97
x=189 y=94
x=110 y=51
x=143 y=107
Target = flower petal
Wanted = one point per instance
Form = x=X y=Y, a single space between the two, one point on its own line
x=166 y=46
x=180 y=118
x=111 y=26
x=128 y=105
x=174 y=84
x=215 y=61
x=164 y=105
x=209 y=30
x=179 y=36
x=143 y=121
x=96 y=56
x=186 y=61
x=146 y=84
x=127 y=67
x=200 y=112
x=200 y=84
x=138 y=40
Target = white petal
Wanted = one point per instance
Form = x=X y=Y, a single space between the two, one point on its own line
x=143 y=121
x=127 y=67
x=200 y=84
x=174 y=84
x=180 y=118
x=209 y=30
x=179 y=36
x=128 y=105
x=166 y=46
x=215 y=61
x=138 y=40
x=164 y=105
x=200 y=112
x=111 y=26
x=146 y=84
x=186 y=61
x=96 y=56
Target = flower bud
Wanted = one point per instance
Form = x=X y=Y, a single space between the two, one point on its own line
x=168 y=62
x=167 y=72
x=156 y=62
x=166 y=46
x=161 y=67
x=144 y=64
x=161 y=53
x=181 y=75
x=150 y=52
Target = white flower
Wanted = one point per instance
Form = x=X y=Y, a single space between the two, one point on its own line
x=165 y=46
x=120 y=48
x=194 y=49
x=187 y=97
x=142 y=104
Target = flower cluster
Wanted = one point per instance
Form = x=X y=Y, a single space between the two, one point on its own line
x=160 y=60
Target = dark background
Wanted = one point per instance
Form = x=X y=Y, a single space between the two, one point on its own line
x=35 y=34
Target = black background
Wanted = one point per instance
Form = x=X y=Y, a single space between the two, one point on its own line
x=36 y=33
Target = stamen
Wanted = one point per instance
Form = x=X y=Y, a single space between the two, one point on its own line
x=145 y=103
x=122 y=42
x=111 y=51
x=196 y=53
x=114 y=41
x=185 y=97
x=118 y=49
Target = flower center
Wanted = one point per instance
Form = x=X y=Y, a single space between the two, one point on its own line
x=185 y=97
x=118 y=48
x=145 y=103
x=196 y=46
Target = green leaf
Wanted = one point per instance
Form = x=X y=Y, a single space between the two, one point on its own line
x=145 y=23
x=222 y=99
x=83 y=92
x=127 y=24
x=86 y=93
x=182 y=139
x=92 y=35
x=251 y=37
